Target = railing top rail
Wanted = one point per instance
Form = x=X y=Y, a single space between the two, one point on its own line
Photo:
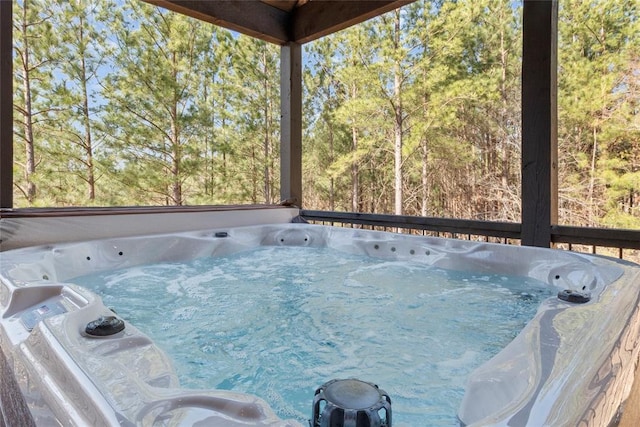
x=124 y=210
x=610 y=237
x=451 y=225
x=607 y=237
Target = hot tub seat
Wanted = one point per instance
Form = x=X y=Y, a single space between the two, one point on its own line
x=122 y=379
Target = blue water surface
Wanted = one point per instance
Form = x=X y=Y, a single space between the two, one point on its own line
x=278 y=322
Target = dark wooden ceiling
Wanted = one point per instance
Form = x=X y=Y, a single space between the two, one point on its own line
x=282 y=21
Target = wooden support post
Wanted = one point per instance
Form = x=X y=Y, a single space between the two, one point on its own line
x=6 y=104
x=539 y=121
x=291 y=123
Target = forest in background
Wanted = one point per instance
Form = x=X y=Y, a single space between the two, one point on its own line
x=416 y=112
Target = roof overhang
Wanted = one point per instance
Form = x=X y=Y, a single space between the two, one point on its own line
x=283 y=21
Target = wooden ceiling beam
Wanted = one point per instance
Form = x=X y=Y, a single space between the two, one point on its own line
x=287 y=5
x=282 y=21
x=316 y=19
x=250 y=17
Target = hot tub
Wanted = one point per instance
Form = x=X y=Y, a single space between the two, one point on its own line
x=573 y=364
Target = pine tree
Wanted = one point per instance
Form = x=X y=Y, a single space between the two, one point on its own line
x=255 y=101
x=33 y=39
x=212 y=111
x=78 y=57
x=150 y=94
x=326 y=137
x=599 y=45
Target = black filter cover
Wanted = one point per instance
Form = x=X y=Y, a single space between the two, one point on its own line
x=104 y=326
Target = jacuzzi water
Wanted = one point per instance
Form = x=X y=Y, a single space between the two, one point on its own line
x=277 y=322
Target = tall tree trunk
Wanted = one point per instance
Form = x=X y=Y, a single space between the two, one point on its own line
x=424 y=178
x=266 y=141
x=176 y=153
x=504 y=155
x=254 y=177
x=27 y=112
x=223 y=125
x=88 y=144
x=209 y=142
x=397 y=124
x=355 y=186
x=592 y=177
x=176 y=150
x=332 y=203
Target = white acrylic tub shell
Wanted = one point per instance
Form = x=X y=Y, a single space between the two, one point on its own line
x=571 y=365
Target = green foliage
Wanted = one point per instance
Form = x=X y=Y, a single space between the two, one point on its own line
x=130 y=104
x=33 y=69
x=598 y=97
